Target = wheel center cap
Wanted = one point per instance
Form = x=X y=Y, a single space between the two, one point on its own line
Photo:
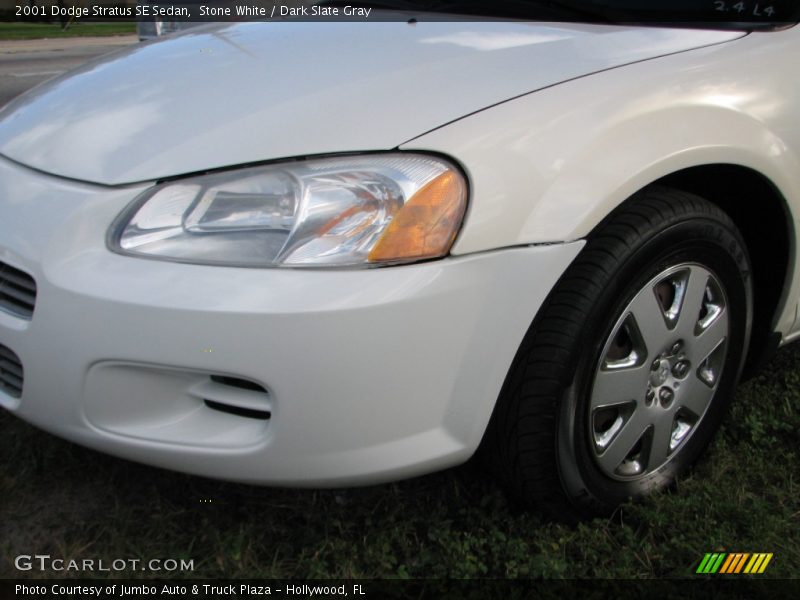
x=659 y=375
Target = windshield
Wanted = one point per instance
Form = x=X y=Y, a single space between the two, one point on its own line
x=770 y=13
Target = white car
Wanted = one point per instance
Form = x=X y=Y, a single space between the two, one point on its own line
x=330 y=254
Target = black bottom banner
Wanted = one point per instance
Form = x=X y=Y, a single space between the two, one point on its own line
x=373 y=589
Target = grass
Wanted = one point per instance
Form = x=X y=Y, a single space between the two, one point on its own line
x=32 y=31
x=57 y=498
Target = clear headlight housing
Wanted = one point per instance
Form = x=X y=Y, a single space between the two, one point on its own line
x=345 y=211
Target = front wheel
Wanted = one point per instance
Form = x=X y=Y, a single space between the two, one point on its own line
x=627 y=371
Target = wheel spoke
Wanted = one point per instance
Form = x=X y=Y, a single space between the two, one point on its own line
x=695 y=395
x=616 y=386
x=707 y=341
x=623 y=443
x=692 y=302
x=659 y=442
x=649 y=319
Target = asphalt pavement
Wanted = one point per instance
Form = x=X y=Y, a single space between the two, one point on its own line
x=26 y=63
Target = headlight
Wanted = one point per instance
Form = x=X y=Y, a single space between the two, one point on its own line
x=368 y=210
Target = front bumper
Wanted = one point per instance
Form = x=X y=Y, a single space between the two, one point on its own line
x=369 y=375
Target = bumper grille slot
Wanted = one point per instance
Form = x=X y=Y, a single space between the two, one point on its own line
x=11 y=373
x=17 y=291
x=239 y=411
x=235 y=396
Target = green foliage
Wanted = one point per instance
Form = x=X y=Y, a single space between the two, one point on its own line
x=30 y=31
x=61 y=499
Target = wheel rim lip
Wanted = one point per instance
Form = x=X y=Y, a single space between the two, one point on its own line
x=685 y=432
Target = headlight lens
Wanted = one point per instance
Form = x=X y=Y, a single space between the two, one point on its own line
x=369 y=210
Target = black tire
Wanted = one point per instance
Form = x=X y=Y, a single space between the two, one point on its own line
x=547 y=441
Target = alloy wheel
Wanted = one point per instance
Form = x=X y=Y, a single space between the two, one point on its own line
x=658 y=371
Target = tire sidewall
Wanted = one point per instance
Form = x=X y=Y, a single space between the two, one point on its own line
x=699 y=240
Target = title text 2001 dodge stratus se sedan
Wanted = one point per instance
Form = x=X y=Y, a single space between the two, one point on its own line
x=326 y=254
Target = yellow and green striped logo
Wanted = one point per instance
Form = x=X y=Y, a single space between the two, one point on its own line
x=734 y=563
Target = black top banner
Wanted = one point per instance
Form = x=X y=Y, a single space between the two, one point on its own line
x=731 y=14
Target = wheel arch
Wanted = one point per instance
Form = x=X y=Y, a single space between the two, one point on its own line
x=762 y=215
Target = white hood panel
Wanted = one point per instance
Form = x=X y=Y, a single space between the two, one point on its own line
x=235 y=94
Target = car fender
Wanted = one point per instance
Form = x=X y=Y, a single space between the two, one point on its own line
x=550 y=166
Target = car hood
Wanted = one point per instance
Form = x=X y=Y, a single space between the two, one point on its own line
x=241 y=93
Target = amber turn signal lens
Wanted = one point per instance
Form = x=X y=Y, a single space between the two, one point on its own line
x=427 y=224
